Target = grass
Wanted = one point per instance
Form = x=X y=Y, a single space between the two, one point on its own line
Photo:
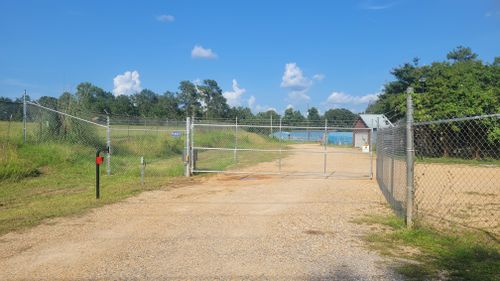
x=431 y=254
x=54 y=178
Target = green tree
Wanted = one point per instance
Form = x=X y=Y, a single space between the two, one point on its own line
x=189 y=99
x=215 y=103
x=313 y=116
x=122 y=105
x=340 y=117
x=144 y=102
x=461 y=54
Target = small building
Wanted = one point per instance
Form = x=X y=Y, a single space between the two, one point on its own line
x=363 y=126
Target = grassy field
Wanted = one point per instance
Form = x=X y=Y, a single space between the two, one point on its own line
x=428 y=254
x=48 y=178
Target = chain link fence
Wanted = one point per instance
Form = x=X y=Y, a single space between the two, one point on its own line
x=456 y=173
x=251 y=146
x=144 y=151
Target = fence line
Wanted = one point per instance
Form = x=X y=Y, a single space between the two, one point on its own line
x=456 y=172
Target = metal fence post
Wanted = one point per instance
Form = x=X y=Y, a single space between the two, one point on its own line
x=410 y=152
x=108 y=144
x=281 y=140
x=271 y=125
x=143 y=166
x=24 y=117
x=235 y=140
x=371 y=153
x=324 y=146
x=187 y=160
x=191 y=150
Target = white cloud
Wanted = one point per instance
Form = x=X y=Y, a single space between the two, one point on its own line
x=294 y=79
x=318 y=77
x=376 y=5
x=200 y=52
x=265 y=108
x=342 y=98
x=289 y=106
x=251 y=101
x=127 y=83
x=234 y=97
x=298 y=84
x=165 y=18
x=298 y=96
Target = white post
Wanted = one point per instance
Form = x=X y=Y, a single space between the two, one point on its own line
x=324 y=146
x=24 y=117
x=281 y=140
x=410 y=154
x=191 y=150
x=271 y=125
x=143 y=165
x=235 y=140
x=187 y=160
x=108 y=144
x=371 y=153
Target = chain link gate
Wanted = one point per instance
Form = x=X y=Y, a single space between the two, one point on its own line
x=252 y=147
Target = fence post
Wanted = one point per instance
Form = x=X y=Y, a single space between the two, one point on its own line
x=143 y=166
x=187 y=161
x=235 y=140
x=371 y=153
x=281 y=140
x=271 y=125
x=324 y=146
x=24 y=117
x=108 y=144
x=410 y=152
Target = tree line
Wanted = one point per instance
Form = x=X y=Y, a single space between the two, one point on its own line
x=461 y=86
x=204 y=101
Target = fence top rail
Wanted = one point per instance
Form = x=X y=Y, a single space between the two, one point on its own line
x=497 y=115
x=66 y=114
x=282 y=126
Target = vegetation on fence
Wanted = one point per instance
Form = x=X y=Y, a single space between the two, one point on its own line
x=427 y=254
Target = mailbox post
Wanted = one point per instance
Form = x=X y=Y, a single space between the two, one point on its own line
x=98 y=161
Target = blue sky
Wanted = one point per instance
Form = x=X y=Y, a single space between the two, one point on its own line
x=266 y=54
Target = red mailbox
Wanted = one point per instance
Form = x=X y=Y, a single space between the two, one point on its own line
x=98 y=160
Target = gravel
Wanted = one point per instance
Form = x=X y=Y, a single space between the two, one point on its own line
x=279 y=228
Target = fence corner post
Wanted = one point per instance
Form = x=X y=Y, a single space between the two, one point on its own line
x=188 y=156
x=410 y=158
x=24 y=117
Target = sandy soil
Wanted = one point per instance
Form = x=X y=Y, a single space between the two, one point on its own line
x=225 y=227
x=458 y=195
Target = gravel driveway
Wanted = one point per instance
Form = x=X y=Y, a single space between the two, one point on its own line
x=221 y=227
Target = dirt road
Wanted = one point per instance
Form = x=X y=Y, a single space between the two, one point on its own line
x=220 y=228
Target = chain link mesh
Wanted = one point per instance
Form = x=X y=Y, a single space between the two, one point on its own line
x=143 y=151
x=457 y=172
x=306 y=148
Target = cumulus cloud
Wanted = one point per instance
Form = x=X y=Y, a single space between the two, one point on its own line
x=318 y=77
x=127 y=83
x=294 y=80
x=200 y=52
x=234 y=97
x=165 y=18
x=337 y=98
x=251 y=101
